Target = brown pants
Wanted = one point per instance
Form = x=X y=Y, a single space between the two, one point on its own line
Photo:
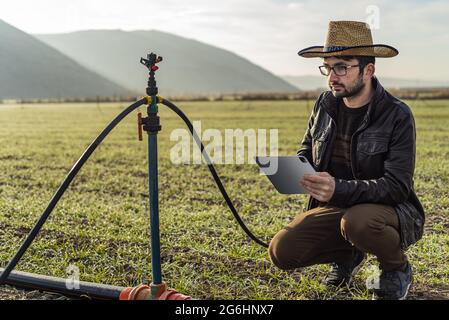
x=328 y=234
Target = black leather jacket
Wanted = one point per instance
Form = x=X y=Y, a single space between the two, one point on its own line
x=382 y=156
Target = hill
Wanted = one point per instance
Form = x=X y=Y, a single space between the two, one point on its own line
x=30 y=68
x=190 y=67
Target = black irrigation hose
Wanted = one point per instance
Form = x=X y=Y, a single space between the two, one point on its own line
x=31 y=281
x=62 y=188
x=213 y=172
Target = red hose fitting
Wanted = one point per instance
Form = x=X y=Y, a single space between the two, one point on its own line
x=155 y=292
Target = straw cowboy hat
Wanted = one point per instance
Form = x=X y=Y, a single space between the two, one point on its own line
x=349 y=38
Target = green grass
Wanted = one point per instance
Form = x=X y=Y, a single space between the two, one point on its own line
x=101 y=223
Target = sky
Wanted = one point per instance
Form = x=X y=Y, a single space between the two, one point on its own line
x=266 y=32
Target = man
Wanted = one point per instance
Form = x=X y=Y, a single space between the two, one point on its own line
x=361 y=141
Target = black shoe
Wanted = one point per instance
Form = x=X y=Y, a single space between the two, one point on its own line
x=343 y=273
x=394 y=285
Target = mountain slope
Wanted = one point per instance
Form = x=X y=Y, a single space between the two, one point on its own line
x=31 y=69
x=189 y=67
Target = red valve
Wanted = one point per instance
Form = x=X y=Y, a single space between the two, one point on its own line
x=155 y=292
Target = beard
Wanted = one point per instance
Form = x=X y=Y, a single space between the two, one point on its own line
x=348 y=90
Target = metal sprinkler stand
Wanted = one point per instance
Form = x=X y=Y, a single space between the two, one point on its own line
x=152 y=127
x=151 y=124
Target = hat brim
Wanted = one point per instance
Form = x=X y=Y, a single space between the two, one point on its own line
x=375 y=50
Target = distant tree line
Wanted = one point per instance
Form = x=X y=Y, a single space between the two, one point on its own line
x=402 y=93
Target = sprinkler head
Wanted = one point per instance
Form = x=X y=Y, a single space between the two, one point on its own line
x=150 y=61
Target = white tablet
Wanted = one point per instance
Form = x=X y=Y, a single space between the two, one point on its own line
x=285 y=172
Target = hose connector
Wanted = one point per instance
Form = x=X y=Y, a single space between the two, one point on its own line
x=153 y=292
x=149 y=99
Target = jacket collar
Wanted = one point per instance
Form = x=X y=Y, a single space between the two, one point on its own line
x=375 y=108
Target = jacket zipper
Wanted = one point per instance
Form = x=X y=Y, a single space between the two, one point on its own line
x=325 y=162
x=351 y=153
x=331 y=143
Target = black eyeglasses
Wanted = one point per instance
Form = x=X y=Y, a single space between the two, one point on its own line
x=339 y=70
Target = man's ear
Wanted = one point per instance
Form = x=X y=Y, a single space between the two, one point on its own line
x=369 y=70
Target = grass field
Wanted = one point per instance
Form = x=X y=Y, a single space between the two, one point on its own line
x=101 y=223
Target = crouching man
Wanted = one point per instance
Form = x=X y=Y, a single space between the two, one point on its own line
x=361 y=141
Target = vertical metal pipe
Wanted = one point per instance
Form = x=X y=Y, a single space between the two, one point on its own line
x=154 y=203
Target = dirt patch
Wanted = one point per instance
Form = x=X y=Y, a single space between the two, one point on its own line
x=433 y=220
x=11 y=293
x=435 y=292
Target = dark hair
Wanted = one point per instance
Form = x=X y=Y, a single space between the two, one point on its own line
x=362 y=60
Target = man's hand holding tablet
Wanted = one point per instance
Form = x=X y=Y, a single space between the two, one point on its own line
x=321 y=185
